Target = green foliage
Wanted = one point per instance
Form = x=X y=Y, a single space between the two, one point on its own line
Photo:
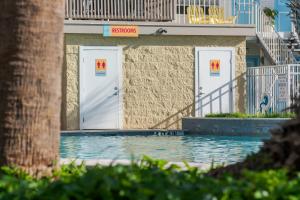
x=148 y=179
x=260 y=115
x=271 y=13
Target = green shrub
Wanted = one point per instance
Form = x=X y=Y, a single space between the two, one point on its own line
x=242 y=115
x=272 y=13
x=150 y=179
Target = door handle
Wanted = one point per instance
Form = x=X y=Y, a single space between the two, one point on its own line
x=200 y=91
x=117 y=91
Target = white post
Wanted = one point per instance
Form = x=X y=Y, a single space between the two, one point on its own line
x=289 y=85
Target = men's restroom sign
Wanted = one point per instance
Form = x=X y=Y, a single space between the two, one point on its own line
x=215 y=66
x=100 y=67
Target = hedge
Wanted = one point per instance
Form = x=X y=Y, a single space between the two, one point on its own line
x=150 y=179
x=259 y=115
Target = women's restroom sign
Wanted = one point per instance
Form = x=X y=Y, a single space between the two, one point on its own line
x=100 y=67
x=215 y=67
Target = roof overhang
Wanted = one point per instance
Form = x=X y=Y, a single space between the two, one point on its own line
x=150 y=28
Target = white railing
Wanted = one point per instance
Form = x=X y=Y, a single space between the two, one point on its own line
x=277 y=48
x=215 y=12
x=123 y=10
x=174 y=11
x=272 y=88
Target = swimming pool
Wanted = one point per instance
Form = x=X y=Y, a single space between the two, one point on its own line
x=199 y=149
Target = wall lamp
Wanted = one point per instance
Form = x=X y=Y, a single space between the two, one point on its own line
x=161 y=31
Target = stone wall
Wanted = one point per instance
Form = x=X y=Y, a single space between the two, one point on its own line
x=158 y=77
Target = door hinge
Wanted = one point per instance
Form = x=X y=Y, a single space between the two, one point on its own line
x=83 y=120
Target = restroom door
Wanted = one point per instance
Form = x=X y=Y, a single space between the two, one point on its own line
x=215 y=72
x=100 y=88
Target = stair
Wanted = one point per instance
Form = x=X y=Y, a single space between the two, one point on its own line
x=277 y=49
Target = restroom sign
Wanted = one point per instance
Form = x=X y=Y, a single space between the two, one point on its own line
x=120 y=31
x=215 y=67
x=100 y=67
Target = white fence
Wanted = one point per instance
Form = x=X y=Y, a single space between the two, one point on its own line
x=272 y=88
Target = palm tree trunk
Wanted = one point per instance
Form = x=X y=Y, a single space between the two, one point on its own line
x=31 y=50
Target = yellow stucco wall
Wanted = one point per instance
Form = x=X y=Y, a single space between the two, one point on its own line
x=158 y=77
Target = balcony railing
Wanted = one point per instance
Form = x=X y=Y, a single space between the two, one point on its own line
x=121 y=10
x=174 y=11
x=215 y=12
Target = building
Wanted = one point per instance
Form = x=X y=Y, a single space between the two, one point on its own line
x=146 y=64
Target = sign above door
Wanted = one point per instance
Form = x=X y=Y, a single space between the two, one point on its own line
x=120 y=31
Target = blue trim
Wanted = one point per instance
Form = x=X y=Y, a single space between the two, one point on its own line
x=243 y=17
x=106 y=30
x=282 y=21
x=252 y=61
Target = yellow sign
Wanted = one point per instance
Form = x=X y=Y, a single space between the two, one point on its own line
x=215 y=67
x=120 y=31
x=100 y=67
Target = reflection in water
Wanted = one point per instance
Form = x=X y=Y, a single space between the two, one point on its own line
x=200 y=149
x=162 y=147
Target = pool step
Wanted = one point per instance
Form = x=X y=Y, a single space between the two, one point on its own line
x=169 y=133
x=123 y=133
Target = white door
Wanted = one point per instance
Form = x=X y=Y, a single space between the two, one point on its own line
x=215 y=70
x=100 y=87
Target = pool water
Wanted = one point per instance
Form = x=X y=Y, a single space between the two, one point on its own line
x=200 y=149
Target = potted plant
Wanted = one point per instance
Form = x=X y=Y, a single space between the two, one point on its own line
x=271 y=13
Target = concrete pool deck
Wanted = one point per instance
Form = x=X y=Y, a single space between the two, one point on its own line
x=108 y=162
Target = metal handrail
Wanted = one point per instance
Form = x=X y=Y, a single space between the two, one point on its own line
x=276 y=47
